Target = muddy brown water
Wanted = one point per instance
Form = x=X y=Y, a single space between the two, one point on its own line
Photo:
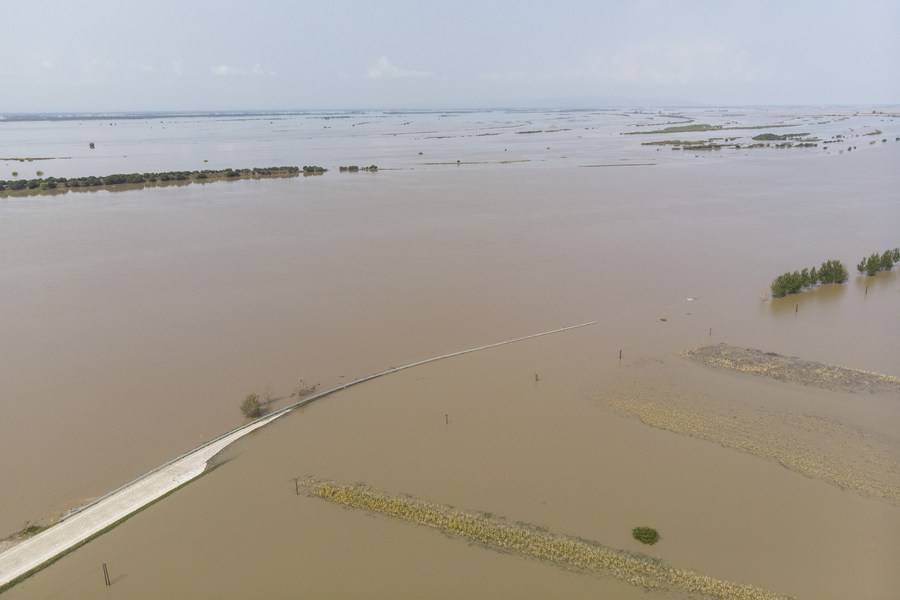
x=133 y=323
x=548 y=453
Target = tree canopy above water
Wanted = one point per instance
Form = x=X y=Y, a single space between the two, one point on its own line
x=830 y=271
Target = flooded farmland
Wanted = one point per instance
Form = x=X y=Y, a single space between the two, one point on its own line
x=133 y=323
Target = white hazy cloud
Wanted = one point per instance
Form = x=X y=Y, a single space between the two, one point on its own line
x=422 y=54
x=256 y=70
x=684 y=63
x=385 y=69
x=656 y=63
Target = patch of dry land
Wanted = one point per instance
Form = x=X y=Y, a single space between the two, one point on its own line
x=793 y=369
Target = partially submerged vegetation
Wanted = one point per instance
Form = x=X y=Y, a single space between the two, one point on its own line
x=22 y=187
x=875 y=262
x=679 y=129
x=251 y=406
x=32 y=158
x=788 y=140
x=686 y=142
x=527 y=131
x=645 y=535
x=357 y=169
x=831 y=271
x=774 y=137
x=314 y=170
x=533 y=542
x=705 y=127
x=29 y=530
x=793 y=369
x=810 y=445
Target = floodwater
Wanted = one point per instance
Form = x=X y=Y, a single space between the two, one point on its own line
x=133 y=323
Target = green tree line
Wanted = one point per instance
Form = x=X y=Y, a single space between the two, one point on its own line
x=53 y=183
x=879 y=262
x=830 y=271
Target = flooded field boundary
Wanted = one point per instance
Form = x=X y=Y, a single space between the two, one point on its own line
x=80 y=526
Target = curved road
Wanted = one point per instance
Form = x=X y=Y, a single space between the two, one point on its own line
x=93 y=519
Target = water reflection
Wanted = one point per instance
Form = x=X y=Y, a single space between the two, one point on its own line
x=879 y=281
x=821 y=296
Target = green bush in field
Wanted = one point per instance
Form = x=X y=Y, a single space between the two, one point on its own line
x=645 y=535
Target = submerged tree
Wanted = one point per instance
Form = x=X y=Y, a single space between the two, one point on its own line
x=833 y=271
x=251 y=406
x=872 y=264
x=830 y=271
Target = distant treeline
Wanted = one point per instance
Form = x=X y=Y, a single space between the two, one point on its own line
x=830 y=271
x=54 y=183
x=879 y=262
x=774 y=137
x=357 y=168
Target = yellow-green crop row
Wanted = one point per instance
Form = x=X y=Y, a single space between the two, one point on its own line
x=572 y=553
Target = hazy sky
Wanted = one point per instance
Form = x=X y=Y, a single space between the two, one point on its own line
x=228 y=54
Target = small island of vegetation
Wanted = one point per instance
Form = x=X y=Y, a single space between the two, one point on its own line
x=830 y=271
x=50 y=185
x=357 y=169
x=706 y=127
x=645 y=535
x=872 y=264
x=774 y=137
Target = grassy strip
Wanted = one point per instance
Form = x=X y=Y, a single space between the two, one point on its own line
x=529 y=541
